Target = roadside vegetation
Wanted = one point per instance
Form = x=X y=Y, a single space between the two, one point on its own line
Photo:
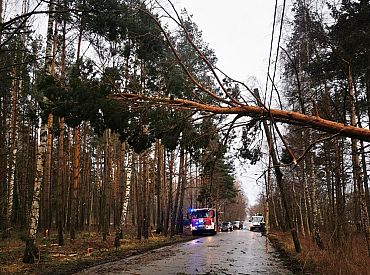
x=86 y=251
x=312 y=260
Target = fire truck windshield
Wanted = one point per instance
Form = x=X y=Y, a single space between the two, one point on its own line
x=201 y=214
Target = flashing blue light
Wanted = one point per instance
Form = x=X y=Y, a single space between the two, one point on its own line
x=191 y=210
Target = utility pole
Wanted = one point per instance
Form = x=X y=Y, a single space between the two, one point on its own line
x=279 y=178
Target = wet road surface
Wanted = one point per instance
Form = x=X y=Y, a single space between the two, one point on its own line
x=237 y=252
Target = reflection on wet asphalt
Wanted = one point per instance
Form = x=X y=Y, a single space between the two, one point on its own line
x=238 y=252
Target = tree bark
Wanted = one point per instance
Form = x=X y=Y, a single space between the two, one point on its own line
x=183 y=178
x=177 y=196
x=46 y=209
x=280 y=183
x=127 y=191
x=159 y=190
x=31 y=252
x=146 y=190
x=60 y=183
x=107 y=183
x=13 y=133
x=76 y=176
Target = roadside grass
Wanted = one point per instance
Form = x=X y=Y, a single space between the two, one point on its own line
x=351 y=259
x=85 y=251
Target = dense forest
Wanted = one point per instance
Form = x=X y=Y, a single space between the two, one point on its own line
x=118 y=115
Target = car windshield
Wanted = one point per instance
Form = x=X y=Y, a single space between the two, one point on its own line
x=200 y=214
x=257 y=219
x=225 y=223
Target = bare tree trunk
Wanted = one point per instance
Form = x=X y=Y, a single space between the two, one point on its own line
x=46 y=190
x=177 y=196
x=13 y=133
x=85 y=172
x=153 y=195
x=146 y=216
x=127 y=191
x=60 y=182
x=159 y=190
x=277 y=224
x=306 y=199
x=69 y=180
x=330 y=186
x=76 y=176
x=169 y=202
x=339 y=196
x=315 y=219
x=183 y=178
x=279 y=180
x=32 y=253
x=107 y=183
x=139 y=197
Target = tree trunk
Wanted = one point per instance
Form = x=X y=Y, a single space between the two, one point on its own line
x=315 y=219
x=146 y=216
x=183 y=178
x=107 y=183
x=177 y=196
x=31 y=252
x=159 y=191
x=152 y=193
x=139 y=196
x=280 y=183
x=13 y=133
x=169 y=210
x=60 y=182
x=313 y=192
x=46 y=190
x=76 y=176
x=127 y=191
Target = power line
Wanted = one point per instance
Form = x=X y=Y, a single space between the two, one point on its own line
x=271 y=43
x=277 y=51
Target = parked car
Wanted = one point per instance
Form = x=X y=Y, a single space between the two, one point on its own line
x=257 y=222
x=226 y=226
x=237 y=225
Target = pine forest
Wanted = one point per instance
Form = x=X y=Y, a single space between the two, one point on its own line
x=114 y=116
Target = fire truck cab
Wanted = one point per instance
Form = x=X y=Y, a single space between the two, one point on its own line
x=203 y=220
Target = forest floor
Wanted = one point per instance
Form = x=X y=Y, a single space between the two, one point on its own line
x=353 y=258
x=85 y=251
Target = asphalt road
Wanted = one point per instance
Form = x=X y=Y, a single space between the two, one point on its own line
x=237 y=252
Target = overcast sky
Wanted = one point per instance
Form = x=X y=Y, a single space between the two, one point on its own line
x=239 y=31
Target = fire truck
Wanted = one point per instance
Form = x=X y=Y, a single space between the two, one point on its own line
x=203 y=220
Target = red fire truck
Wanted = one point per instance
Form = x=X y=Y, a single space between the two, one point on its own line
x=203 y=220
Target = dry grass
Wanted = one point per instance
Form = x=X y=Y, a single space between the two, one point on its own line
x=87 y=250
x=351 y=259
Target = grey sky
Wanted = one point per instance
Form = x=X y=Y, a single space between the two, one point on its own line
x=239 y=31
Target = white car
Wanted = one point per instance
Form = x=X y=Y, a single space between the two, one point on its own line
x=256 y=222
